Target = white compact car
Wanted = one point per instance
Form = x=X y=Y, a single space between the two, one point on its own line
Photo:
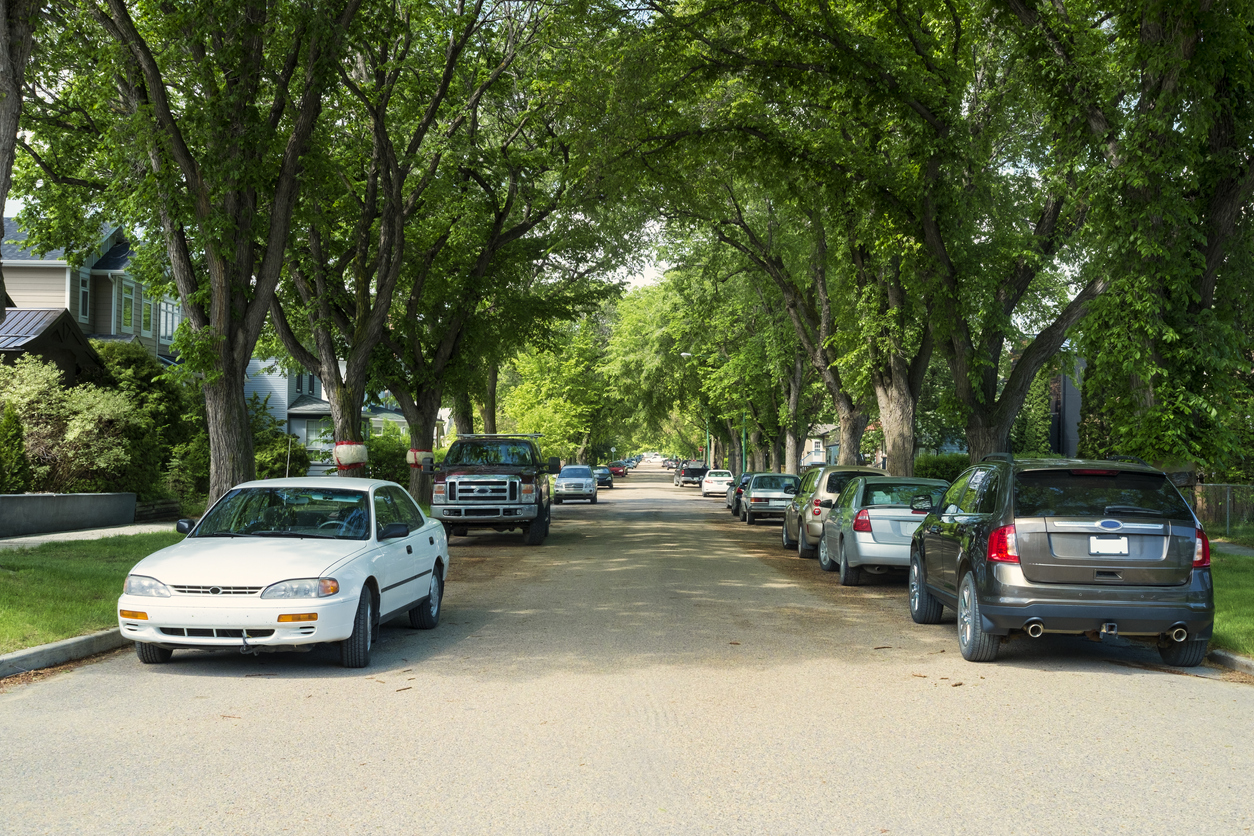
x=716 y=482
x=287 y=564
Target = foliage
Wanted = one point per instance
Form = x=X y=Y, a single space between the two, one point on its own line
x=1029 y=435
x=15 y=473
x=1234 y=601
x=279 y=453
x=387 y=451
x=84 y=438
x=946 y=466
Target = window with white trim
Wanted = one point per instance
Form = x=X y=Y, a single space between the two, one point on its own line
x=145 y=307
x=84 y=298
x=128 y=307
x=170 y=317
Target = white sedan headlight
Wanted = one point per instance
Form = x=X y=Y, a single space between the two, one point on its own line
x=302 y=588
x=142 y=585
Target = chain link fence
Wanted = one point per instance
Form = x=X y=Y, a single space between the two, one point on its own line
x=1225 y=510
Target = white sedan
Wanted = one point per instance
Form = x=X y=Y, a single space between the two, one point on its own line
x=286 y=564
x=716 y=482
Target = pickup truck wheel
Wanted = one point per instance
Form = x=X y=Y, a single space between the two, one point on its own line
x=150 y=654
x=535 y=531
x=975 y=644
x=426 y=615
x=355 y=650
x=924 y=608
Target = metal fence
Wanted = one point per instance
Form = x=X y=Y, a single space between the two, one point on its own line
x=1225 y=510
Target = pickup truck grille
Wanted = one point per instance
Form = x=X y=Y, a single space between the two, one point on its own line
x=483 y=490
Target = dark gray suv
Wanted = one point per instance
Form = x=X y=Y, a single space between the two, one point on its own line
x=1064 y=546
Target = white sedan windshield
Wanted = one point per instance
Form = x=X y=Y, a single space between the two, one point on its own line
x=288 y=512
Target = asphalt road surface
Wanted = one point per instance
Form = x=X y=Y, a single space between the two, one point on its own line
x=655 y=667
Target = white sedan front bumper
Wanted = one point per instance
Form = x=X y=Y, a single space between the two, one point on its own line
x=205 y=621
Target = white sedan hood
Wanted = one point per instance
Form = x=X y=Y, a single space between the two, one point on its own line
x=244 y=561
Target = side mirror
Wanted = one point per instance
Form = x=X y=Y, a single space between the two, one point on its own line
x=922 y=502
x=555 y=464
x=790 y=489
x=184 y=526
x=826 y=503
x=393 y=530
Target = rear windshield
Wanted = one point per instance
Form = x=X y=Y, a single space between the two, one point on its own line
x=1067 y=493
x=900 y=493
x=774 y=482
x=719 y=474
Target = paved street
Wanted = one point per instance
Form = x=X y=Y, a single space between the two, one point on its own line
x=655 y=667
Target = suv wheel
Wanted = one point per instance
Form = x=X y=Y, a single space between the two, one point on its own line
x=1185 y=654
x=924 y=608
x=975 y=644
x=804 y=549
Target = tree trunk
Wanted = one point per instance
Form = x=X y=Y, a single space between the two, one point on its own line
x=987 y=435
x=489 y=400
x=733 y=447
x=420 y=410
x=463 y=413
x=852 y=425
x=757 y=458
x=581 y=455
x=230 y=435
x=16 y=41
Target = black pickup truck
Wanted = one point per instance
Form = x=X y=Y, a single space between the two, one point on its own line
x=494 y=481
x=690 y=473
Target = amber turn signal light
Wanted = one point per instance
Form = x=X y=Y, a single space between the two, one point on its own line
x=133 y=616
x=299 y=616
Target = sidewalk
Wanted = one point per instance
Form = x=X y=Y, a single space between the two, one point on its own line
x=30 y=541
x=1231 y=548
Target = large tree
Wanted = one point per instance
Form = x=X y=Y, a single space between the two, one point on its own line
x=17 y=38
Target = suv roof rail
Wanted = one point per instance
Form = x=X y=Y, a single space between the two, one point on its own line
x=500 y=435
x=1005 y=457
x=1131 y=459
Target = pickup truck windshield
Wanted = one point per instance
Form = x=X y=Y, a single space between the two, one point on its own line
x=503 y=451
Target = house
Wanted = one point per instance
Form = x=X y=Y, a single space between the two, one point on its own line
x=53 y=335
x=101 y=296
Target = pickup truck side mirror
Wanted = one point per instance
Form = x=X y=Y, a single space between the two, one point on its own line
x=922 y=502
x=555 y=464
x=393 y=530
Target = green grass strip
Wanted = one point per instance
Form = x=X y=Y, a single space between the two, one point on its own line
x=1234 y=602
x=61 y=590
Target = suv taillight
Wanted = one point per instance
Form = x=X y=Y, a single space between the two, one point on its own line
x=862 y=522
x=1002 y=547
x=1201 y=550
x=818 y=510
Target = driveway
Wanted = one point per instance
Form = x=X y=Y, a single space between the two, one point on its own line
x=656 y=666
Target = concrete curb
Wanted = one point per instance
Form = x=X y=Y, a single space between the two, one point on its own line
x=58 y=653
x=1232 y=661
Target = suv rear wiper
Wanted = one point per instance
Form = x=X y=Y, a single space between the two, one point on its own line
x=1131 y=509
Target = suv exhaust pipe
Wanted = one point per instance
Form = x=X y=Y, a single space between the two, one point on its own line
x=1178 y=633
x=1034 y=628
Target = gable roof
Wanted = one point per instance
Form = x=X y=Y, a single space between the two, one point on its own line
x=52 y=334
x=117 y=258
x=21 y=326
x=13 y=248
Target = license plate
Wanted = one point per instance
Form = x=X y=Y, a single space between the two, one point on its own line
x=1108 y=545
x=778 y=503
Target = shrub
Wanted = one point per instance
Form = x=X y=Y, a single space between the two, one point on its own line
x=946 y=466
x=276 y=452
x=15 y=474
x=388 y=450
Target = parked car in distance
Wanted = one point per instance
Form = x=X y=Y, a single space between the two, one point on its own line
x=604 y=478
x=618 y=469
x=736 y=489
x=871 y=523
x=1102 y=548
x=575 y=481
x=819 y=488
x=282 y=564
x=690 y=473
x=767 y=494
x=715 y=482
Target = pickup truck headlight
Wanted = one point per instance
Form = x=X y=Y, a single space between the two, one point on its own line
x=142 y=585
x=439 y=493
x=302 y=588
x=527 y=492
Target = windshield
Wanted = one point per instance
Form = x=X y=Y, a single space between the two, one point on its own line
x=289 y=512
x=1097 y=493
x=489 y=452
x=774 y=482
x=576 y=472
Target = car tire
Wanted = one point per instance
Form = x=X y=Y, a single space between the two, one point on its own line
x=151 y=654
x=825 y=556
x=750 y=519
x=355 y=650
x=924 y=606
x=426 y=616
x=1186 y=654
x=849 y=575
x=735 y=509
x=804 y=549
x=558 y=501
x=536 y=530
x=975 y=644
x=594 y=499
x=788 y=542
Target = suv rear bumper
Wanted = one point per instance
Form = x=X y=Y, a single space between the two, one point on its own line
x=1064 y=608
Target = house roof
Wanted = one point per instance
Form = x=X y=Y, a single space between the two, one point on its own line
x=13 y=247
x=309 y=405
x=116 y=258
x=21 y=326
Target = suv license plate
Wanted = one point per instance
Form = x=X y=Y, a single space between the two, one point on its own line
x=1108 y=545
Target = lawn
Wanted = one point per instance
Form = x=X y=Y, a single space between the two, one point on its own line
x=61 y=590
x=1234 y=602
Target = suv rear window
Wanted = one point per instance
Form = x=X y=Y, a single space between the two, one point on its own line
x=1072 y=493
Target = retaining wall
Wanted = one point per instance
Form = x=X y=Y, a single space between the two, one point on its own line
x=48 y=513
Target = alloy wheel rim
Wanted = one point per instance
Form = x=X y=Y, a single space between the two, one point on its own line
x=914 y=586
x=435 y=594
x=964 y=614
x=824 y=557
x=369 y=624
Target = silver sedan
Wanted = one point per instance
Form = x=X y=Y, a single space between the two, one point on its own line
x=871 y=524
